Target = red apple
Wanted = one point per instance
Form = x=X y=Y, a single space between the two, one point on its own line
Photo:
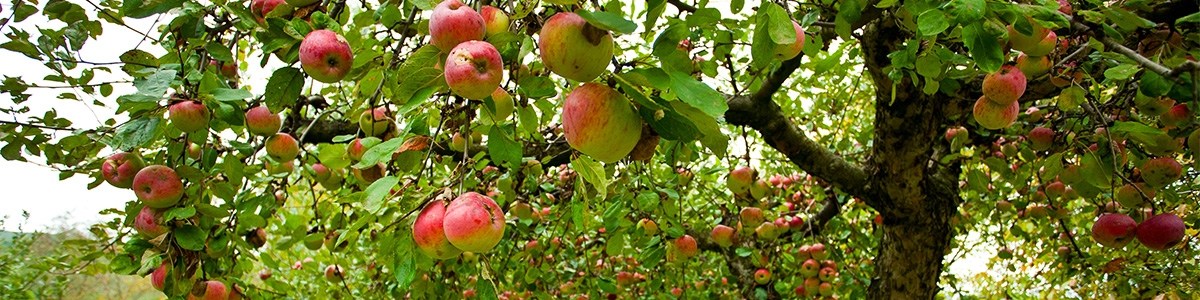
x=740 y=179
x=600 y=122
x=474 y=223
x=1113 y=230
x=452 y=23
x=810 y=268
x=1041 y=138
x=474 y=70
x=1042 y=47
x=118 y=169
x=189 y=115
x=818 y=251
x=325 y=56
x=209 y=290
x=573 y=48
x=282 y=147
x=1004 y=86
x=333 y=273
x=355 y=150
x=429 y=232
x=788 y=51
x=227 y=69
x=686 y=246
x=1033 y=66
x=1161 y=232
x=158 y=186
x=1179 y=116
x=149 y=223
x=762 y=276
x=722 y=235
x=994 y=116
x=751 y=215
x=158 y=278
x=494 y=20
x=260 y=8
x=261 y=121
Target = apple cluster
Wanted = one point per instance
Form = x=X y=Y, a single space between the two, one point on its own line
x=472 y=223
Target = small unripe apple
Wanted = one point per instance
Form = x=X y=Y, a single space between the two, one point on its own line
x=1161 y=232
x=573 y=48
x=1113 y=230
x=827 y=274
x=810 y=268
x=189 y=115
x=209 y=290
x=474 y=222
x=227 y=69
x=355 y=150
x=767 y=231
x=647 y=226
x=600 y=122
x=740 y=179
x=751 y=215
x=326 y=56
x=818 y=251
x=762 y=276
x=149 y=223
x=429 y=232
x=375 y=122
x=1129 y=196
x=119 y=169
x=1023 y=42
x=722 y=235
x=474 y=69
x=955 y=132
x=494 y=20
x=994 y=116
x=1033 y=66
x=1042 y=47
x=333 y=273
x=158 y=186
x=789 y=51
x=1004 y=86
x=453 y=23
x=503 y=105
x=264 y=274
x=282 y=147
x=260 y=8
x=284 y=167
x=261 y=121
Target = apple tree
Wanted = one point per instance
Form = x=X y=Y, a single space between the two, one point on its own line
x=662 y=148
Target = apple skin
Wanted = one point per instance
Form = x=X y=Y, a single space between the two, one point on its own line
x=189 y=115
x=1043 y=47
x=369 y=174
x=1033 y=66
x=1113 y=230
x=260 y=8
x=158 y=186
x=453 y=23
x=333 y=273
x=158 y=278
x=647 y=226
x=810 y=268
x=325 y=56
x=562 y=40
x=429 y=232
x=474 y=223
x=321 y=173
x=148 y=223
x=227 y=69
x=686 y=246
x=494 y=20
x=261 y=121
x=722 y=235
x=600 y=122
x=740 y=179
x=818 y=251
x=1024 y=42
x=751 y=215
x=789 y=51
x=1004 y=86
x=356 y=150
x=1161 y=232
x=1041 y=138
x=209 y=290
x=503 y=102
x=1128 y=195
x=282 y=147
x=1179 y=116
x=994 y=116
x=474 y=70
x=284 y=167
x=1162 y=171
x=762 y=276
x=375 y=122
x=118 y=169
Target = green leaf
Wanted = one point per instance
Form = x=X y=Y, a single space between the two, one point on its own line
x=190 y=237
x=136 y=133
x=1070 y=98
x=502 y=148
x=608 y=21
x=406 y=262
x=381 y=153
x=932 y=22
x=849 y=11
x=670 y=125
x=417 y=73
x=779 y=24
x=485 y=289
x=226 y=95
x=592 y=173
x=1192 y=18
x=967 y=11
x=219 y=51
x=712 y=138
x=698 y=95
x=379 y=189
x=136 y=60
x=284 y=88
x=1121 y=72
x=138 y=9
x=984 y=46
x=1154 y=85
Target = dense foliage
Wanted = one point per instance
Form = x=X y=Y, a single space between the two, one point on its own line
x=645 y=149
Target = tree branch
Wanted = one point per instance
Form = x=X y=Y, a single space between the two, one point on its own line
x=38 y=126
